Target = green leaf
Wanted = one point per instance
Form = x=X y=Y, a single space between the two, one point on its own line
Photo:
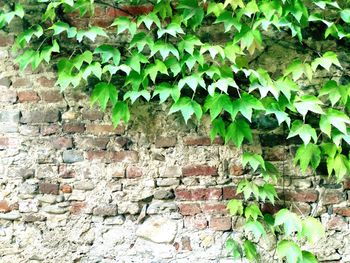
x=345 y=15
x=234 y=247
x=298 y=69
x=134 y=95
x=149 y=20
x=165 y=49
x=340 y=164
x=120 y=112
x=290 y=251
x=229 y=21
x=216 y=104
x=248 y=188
x=188 y=44
x=237 y=131
x=250 y=250
x=153 y=69
x=252 y=211
x=308 y=257
x=290 y=221
x=172 y=29
x=192 y=81
x=268 y=191
x=312 y=229
x=222 y=84
x=25 y=59
x=218 y=127
x=108 y=52
x=141 y=40
x=335 y=118
x=165 y=90
x=135 y=60
x=102 y=93
x=304 y=131
x=235 y=207
x=246 y=104
x=94 y=68
x=326 y=61
x=308 y=154
x=91 y=33
x=255 y=227
x=254 y=160
x=308 y=103
x=124 y=23
x=187 y=107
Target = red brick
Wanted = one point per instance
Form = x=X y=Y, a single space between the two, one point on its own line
x=214 y=208
x=129 y=10
x=337 y=223
x=343 y=211
x=196 y=170
x=270 y=208
x=332 y=197
x=165 y=142
x=4 y=207
x=229 y=192
x=28 y=96
x=62 y=143
x=220 y=223
x=133 y=172
x=108 y=157
x=49 y=130
x=98 y=129
x=298 y=195
x=199 y=194
x=77 y=208
x=4 y=143
x=73 y=128
x=236 y=169
x=22 y=82
x=45 y=82
x=183 y=194
x=66 y=188
x=189 y=209
x=201 y=141
x=48 y=188
x=92 y=115
x=197 y=222
x=51 y=96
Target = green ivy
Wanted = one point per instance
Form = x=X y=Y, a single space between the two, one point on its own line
x=166 y=59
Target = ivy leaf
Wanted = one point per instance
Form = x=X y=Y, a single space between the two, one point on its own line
x=149 y=20
x=308 y=154
x=141 y=40
x=25 y=59
x=304 y=131
x=308 y=257
x=250 y=250
x=134 y=95
x=269 y=191
x=335 y=92
x=326 y=61
x=345 y=15
x=289 y=250
x=255 y=227
x=153 y=69
x=335 y=118
x=216 y=104
x=107 y=52
x=308 y=103
x=252 y=211
x=312 y=229
x=135 y=60
x=340 y=164
x=192 y=81
x=187 y=107
x=233 y=247
x=246 y=104
x=60 y=27
x=164 y=49
x=254 y=160
x=218 y=127
x=237 y=131
x=229 y=20
x=26 y=36
x=213 y=50
x=172 y=29
x=165 y=90
x=235 y=207
x=234 y=3
x=48 y=50
x=248 y=188
x=274 y=108
x=120 y=112
x=91 y=33
x=188 y=44
x=102 y=93
x=286 y=86
x=289 y=220
x=124 y=23
x=94 y=68
x=222 y=84
x=298 y=69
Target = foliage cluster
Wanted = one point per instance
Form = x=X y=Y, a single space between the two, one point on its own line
x=166 y=59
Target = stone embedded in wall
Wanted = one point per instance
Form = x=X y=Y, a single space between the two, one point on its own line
x=158 y=229
x=105 y=210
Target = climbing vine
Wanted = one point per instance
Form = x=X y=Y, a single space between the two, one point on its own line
x=165 y=58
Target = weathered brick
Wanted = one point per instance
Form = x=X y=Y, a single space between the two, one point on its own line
x=6 y=39
x=9 y=142
x=347 y=184
x=51 y=96
x=198 y=194
x=108 y=157
x=332 y=197
x=337 y=223
x=220 y=223
x=343 y=211
x=30 y=218
x=116 y=171
x=70 y=115
x=197 y=170
x=73 y=127
x=66 y=172
x=105 y=210
x=92 y=115
x=7 y=95
x=171 y=171
x=197 y=222
x=72 y=156
x=236 y=169
x=49 y=129
x=91 y=143
x=4 y=143
x=46 y=83
x=49 y=188
x=302 y=209
x=9 y=116
x=214 y=208
x=66 y=188
x=165 y=142
x=77 y=208
x=62 y=143
x=98 y=129
x=298 y=195
x=133 y=172
x=40 y=116
x=189 y=209
x=21 y=82
x=201 y=141
x=270 y=208
x=4 y=207
x=230 y=192
x=28 y=96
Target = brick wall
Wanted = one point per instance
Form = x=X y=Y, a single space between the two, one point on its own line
x=74 y=189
